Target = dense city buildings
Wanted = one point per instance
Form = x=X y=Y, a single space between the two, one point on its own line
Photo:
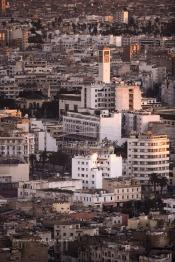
x=87 y=131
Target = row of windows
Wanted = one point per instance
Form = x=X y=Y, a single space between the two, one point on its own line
x=103 y=100
x=151 y=156
x=149 y=150
x=14 y=153
x=150 y=169
x=73 y=122
x=5 y=147
x=83 y=175
x=88 y=182
x=149 y=163
x=106 y=94
x=97 y=90
x=149 y=144
x=128 y=189
x=106 y=199
x=6 y=141
x=82 y=169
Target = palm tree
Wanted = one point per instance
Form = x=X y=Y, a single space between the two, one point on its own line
x=43 y=157
x=32 y=161
x=162 y=182
x=154 y=180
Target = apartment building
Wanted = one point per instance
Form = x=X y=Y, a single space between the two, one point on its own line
x=164 y=127
x=128 y=97
x=107 y=252
x=45 y=81
x=120 y=194
x=169 y=205
x=138 y=121
x=125 y=189
x=69 y=102
x=30 y=188
x=16 y=145
x=98 y=96
x=93 y=197
x=91 y=176
x=150 y=102
x=93 y=127
x=158 y=73
x=44 y=139
x=122 y=16
x=65 y=232
x=91 y=169
x=13 y=171
x=147 y=154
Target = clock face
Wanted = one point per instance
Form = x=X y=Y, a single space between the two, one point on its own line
x=106 y=56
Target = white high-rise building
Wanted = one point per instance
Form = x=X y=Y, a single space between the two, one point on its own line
x=128 y=97
x=91 y=169
x=98 y=96
x=147 y=154
x=89 y=126
x=86 y=169
x=104 y=65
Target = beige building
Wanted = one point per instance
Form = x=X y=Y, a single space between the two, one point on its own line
x=61 y=207
x=128 y=97
x=147 y=154
x=16 y=144
x=13 y=171
x=141 y=222
x=124 y=189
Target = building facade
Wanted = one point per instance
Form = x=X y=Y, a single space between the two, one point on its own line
x=93 y=127
x=91 y=169
x=147 y=154
x=138 y=121
x=128 y=97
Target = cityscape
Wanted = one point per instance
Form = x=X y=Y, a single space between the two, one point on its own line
x=87 y=131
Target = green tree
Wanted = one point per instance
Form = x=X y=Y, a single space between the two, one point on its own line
x=44 y=157
x=154 y=180
x=32 y=160
x=162 y=182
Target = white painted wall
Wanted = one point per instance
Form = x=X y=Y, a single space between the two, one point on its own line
x=122 y=98
x=86 y=169
x=92 y=169
x=46 y=142
x=110 y=127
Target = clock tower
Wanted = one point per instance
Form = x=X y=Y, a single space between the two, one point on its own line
x=104 y=65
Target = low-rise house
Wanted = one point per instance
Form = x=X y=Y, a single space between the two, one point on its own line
x=169 y=205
